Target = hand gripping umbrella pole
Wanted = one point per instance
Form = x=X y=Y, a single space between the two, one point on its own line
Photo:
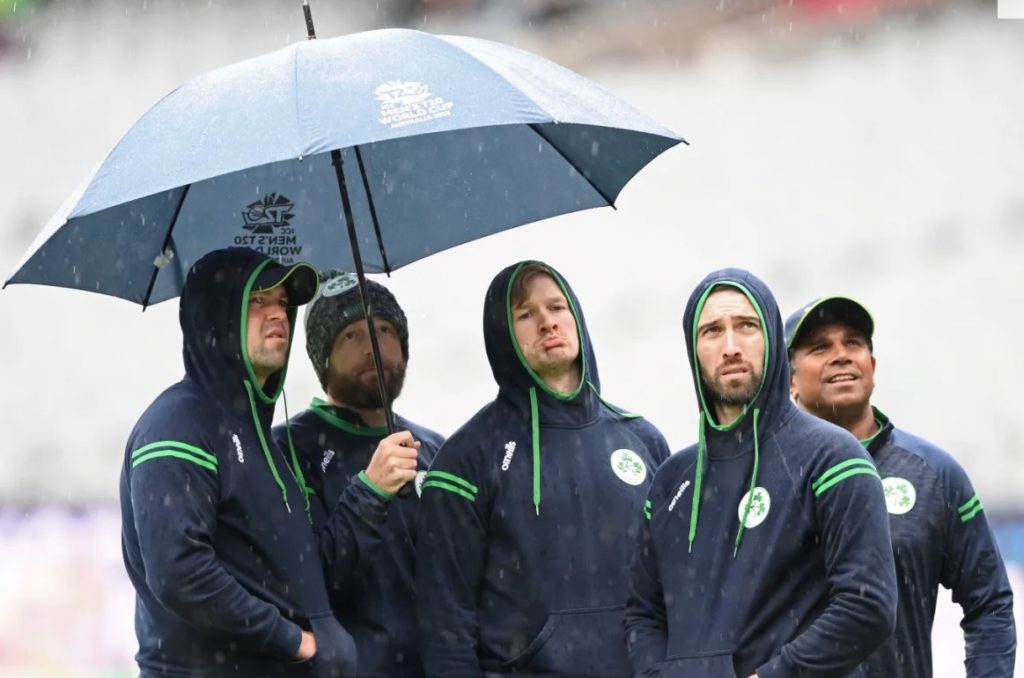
x=357 y=259
x=364 y=294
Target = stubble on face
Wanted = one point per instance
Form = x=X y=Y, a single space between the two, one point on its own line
x=267 y=331
x=729 y=390
x=730 y=349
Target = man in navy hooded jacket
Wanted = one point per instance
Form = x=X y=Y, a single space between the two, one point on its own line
x=529 y=511
x=216 y=536
x=766 y=546
x=939 y=531
x=346 y=435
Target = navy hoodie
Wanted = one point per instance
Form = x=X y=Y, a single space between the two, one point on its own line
x=939 y=536
x=766 y=545
x=527 y=521
x=377 y=605
x=215 y=535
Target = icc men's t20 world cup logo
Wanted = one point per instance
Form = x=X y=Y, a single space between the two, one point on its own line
x=268 y=222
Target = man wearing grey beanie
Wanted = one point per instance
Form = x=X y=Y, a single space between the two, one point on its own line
x=343 y=439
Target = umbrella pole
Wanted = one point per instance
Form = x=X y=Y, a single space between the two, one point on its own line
x=310 y=31
x=357 y=259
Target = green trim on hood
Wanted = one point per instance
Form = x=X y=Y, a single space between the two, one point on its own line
x=579 y=332
x=322 y=409
x=707 y=416
x=699 y=380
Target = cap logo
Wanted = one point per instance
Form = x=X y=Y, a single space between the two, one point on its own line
x=339 y=285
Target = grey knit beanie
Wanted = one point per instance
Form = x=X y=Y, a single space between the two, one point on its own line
x=336 y=305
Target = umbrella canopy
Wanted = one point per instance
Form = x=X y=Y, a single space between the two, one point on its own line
x=438 y=140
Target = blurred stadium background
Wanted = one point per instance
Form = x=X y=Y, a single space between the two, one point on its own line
x=866 y=147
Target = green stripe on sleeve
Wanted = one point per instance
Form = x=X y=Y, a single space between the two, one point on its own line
x=451 y=478
x=441 y=485
x=177 y=454
x=970 y=509
x=175 y=445
x=839 y=468
x=856 y=471
x=647 y=509
x=969 y=505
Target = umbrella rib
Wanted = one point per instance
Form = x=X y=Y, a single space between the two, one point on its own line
x=373 y=212
x=163 y=247
x=604 y=196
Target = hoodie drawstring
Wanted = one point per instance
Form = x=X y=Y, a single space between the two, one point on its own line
x=697 y=481
x=699 y=476
x=535 y=435
x=266 y=449
x=750 y=490
x=296 y=468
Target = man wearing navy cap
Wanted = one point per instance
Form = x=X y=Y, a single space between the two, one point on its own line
x=939 y=531
x=216 y=536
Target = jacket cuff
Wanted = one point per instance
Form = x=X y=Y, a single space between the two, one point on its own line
x=777 y=667
x=365 y=502
x=377 y=489
x=284 y=642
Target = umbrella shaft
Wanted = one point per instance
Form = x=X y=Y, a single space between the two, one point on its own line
x=310 y=31
x=357 y=259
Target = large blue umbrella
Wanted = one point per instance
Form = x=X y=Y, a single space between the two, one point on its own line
x=408 y=142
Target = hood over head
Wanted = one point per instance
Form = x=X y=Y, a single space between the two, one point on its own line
x=514 y=377
x=765 y=411
x=519 y=385
x=213 y=313
x=773 y=396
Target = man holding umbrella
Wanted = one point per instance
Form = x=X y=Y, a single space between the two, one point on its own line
x=529 y=511
x=215 y=532
x=345 y=440
x=939 y=531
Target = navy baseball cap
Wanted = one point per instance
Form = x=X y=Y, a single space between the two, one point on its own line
x=300 y=281
x=827 y=310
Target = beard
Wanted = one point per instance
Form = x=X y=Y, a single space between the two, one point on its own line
x=740 y=394
x=351 y=390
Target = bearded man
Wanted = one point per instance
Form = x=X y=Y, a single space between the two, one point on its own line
x=343 y=440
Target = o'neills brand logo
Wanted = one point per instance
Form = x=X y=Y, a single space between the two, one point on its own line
x=268 y=221
x=328 y=455
x=418 y=483
x=510 y=449
x=407 y=103
x=238 y=447
x=679 y=493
